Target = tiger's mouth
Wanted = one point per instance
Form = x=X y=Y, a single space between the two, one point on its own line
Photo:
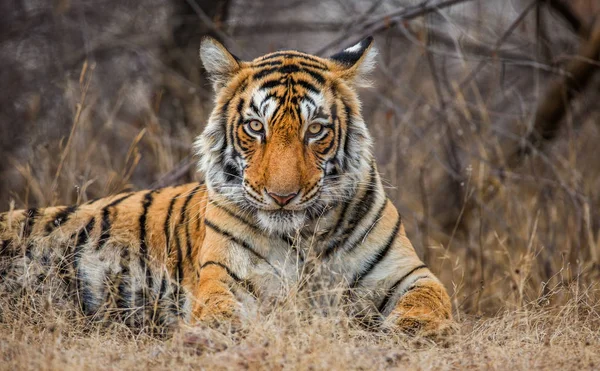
x=281 y=221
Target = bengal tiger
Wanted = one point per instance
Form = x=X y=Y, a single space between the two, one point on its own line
x=289 y=174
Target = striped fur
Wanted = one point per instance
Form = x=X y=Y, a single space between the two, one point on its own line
x=290 y=184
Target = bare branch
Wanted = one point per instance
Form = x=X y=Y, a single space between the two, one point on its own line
x=388 y=20
x=498 y=44
x=569 y=15
x=224 y=37
x=560 y=93
x=176 y=173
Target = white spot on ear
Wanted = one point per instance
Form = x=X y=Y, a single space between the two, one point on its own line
x=354 y=49
x=357 y=62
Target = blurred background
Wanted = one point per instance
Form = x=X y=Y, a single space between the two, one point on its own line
x=485 y=116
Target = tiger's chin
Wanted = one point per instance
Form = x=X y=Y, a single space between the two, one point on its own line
x=281 y=221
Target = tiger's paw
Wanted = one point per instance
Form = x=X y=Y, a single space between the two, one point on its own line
x=218 y=312
x=431 y=328
x=424 y=311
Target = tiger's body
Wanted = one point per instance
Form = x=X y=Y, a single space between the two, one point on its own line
x=290 y=185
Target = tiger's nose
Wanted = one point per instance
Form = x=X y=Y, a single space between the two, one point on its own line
x=282 y=200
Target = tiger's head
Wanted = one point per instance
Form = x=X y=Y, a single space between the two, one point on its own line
x=286 y=139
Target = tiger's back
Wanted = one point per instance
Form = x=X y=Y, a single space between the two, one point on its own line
x=133 y=254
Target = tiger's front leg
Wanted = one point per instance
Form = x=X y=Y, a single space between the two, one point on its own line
x=415 y=301
x=214 y=300
x=424 y=309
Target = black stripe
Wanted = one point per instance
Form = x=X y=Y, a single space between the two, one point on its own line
x=235 y=216
x=292 y=54
x=124 y=290
x=225 y=116
x=378 y=257
x=254 y=108
x=372 y=227
x=179 y=259
x=93 y=200
x=268 y=64
x=392 y=289
x=286 y=239
x=185 y=223
x=236 y=240
x=167 y=227
x=4 y=246
x=337 y=227
x=242 y=282
x=365 y=204
x=289 y=68
x=308 y=86
x=269 y=84
x=231 y=172
x=232 y=128
x=336 y=123
x=319 y=66
x=105 y=224
x=163 y=287
x=224 y=124
x=267 y=98
x=265 y=72
x=289 y=240
x=310 y=101
x=362 y=208
x=327 y=149
x=315 y=75
x=30 y=216
x=229 y=271
x=148 y=199
x=348 y=112
x=81 y=288
x=60 y=218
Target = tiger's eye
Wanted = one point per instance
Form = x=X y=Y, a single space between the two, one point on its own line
x=256 y=126
x=315 y=128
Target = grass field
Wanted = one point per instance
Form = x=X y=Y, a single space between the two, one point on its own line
x=534 y=337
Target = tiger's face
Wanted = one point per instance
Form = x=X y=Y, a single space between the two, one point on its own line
x=285 y=140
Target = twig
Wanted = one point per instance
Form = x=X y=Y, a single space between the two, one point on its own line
x=204 y=18
x=431 y=63
x=425 y=220
x=498 y=44
x=358 y=20
x=559 y=95
x=569 y=15
x=388 y=20
x=85 y=79
x=176 y=173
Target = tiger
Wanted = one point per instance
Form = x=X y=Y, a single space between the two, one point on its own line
x=290 y=181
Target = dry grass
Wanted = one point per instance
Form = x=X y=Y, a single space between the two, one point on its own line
x=518 y=247
x=533 y=337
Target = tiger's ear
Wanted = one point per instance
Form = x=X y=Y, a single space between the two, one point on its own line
x=356 y=62
x=219 y=63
